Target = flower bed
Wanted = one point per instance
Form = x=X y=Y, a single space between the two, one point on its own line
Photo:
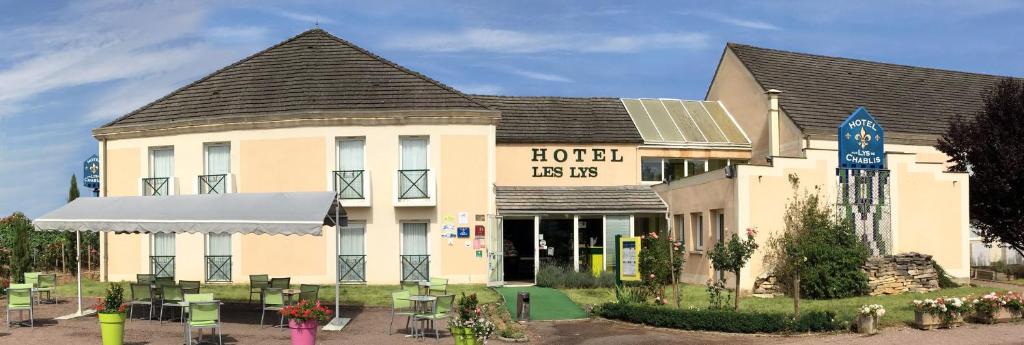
x=867 y=318
x=947 y=312
x=720 y=320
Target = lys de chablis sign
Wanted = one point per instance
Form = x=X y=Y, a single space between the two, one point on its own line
x=861 y=142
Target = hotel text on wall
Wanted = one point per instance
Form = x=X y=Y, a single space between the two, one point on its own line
x=571 y=162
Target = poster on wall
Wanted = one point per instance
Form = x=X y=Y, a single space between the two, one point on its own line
x=629 y=259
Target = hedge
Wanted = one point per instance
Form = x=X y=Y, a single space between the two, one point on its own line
x=720 y=320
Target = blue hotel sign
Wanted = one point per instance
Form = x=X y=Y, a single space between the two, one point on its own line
x=91 y=172
x=861 y=142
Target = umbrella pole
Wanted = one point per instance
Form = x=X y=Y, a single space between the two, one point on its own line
x=78 y=271
x=338 y=323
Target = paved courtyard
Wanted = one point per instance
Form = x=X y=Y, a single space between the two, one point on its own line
x=369 y=326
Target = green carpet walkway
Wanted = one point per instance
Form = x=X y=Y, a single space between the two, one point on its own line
x=545 y=303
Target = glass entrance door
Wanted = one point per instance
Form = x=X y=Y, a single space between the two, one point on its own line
x=496 y=252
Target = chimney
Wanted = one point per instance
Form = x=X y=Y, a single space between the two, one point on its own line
x=773 y=122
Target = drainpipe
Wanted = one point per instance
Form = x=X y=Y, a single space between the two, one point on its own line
x=773 y=123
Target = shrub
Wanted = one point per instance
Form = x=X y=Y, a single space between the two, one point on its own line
x=818 y=247
x=944 y=281
x=633 y=294
x=722 y=320
x=564 y=277
x=19 y=230
x=718 y=295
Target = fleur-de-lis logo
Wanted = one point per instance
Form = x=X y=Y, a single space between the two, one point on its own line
x=93 y=168
x=863 y=137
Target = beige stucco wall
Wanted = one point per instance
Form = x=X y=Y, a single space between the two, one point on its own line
x=461 y=158
x=737 y=89
x=701 y=194
x=929 y=206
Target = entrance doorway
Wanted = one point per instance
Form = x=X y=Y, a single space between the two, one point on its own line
x=555 y=242
x=591 y=243
x=518 y=249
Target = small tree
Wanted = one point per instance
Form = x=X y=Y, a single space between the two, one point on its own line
x=819 y=246
x=73 y=192
x=21 y=259
x=731 y=256
x=989 y=147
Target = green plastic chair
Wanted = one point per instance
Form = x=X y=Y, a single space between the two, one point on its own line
x=439 y=285
x=204 y=315
x=189 y=286
x=19 y=297
x=145 y=278
x=47 y=283
x=309 y=292
x=32 y=278
x=401 y=306
x=258 y=282
x=172 y=296
x=412 y=287
x=193 y=297
x=141 y=295
x=441 y=309
x=273 y=300
x=164 y=281
x=281 y=283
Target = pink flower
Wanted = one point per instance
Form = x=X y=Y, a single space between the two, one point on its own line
x=751 y=232
x=652 y=275
x=654 y=235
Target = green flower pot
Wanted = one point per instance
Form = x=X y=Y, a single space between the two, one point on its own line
x=112 y=328
x=465 y=336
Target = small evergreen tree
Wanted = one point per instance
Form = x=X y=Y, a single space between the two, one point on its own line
x=20 y=228
x=73 y=192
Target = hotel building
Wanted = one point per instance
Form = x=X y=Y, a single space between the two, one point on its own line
x=488 y=189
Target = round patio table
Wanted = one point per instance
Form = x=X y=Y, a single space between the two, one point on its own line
x=424 y=287
x=289 y=293
x=421 y=304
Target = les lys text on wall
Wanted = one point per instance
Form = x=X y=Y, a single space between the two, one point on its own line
x=573 y=156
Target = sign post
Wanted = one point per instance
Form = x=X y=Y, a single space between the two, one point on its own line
x=863 y=181
x=627 y=261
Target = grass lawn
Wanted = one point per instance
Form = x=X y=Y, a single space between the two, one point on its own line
x=897 y=308
x=361 y=295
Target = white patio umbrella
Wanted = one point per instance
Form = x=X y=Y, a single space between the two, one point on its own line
x=303 y=213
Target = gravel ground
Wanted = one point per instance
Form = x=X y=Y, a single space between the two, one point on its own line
x=369 y=326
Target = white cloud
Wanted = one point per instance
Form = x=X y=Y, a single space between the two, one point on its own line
x=299 y=16
x=509 y=41
x=99 y=42
x=740 y=22
x=237 y=33
x=539 y=75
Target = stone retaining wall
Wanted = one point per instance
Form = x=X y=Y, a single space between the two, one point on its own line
x=895 y=274
x=887 y=275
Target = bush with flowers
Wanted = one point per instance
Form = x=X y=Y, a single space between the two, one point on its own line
x=659 y=257
x=988 y=306
x=470 y=320
x=951 y=309
x=113 y=303
x=306 y=310
x=873 y=310
x=731 y=256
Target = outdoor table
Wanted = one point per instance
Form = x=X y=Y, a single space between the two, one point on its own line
x=424 y=287
x=289 y=293
x=420 y=305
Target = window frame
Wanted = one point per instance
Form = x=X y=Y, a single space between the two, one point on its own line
x=697 y=224
x=337 y=151
x=206 y=156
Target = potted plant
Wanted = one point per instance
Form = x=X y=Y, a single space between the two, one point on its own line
x=303 y=319
x=867 y=318
x=470 y=325
x=940 y=312
x=110 y=311
x=993 y=307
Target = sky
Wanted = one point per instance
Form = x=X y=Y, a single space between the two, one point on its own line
x=69 y=67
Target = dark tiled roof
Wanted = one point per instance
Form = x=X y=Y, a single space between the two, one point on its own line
x=819 y=92
x=562 y=120
x=311 y=72
x=578 y=199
